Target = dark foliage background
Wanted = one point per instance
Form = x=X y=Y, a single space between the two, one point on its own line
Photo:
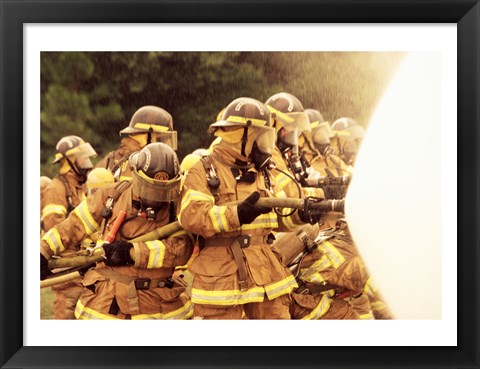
x=94 y=94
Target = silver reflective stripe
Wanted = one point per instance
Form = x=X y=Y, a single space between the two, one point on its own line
x=84 y=215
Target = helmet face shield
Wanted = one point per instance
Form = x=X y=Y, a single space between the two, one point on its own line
x=84 y=163
x=351 y=133
x=153 y=192
x=321 y=133
x=265 y=139
x=83 y=151
x=289 y=135
x=169 y=138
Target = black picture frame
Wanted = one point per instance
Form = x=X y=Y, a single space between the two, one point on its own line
x=14 y=14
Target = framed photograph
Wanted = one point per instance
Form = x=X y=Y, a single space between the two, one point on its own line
x=448 y=31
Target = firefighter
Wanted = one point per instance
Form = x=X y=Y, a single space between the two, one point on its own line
x=135 y=280
x=148 y=124
x=347 y=139
x=236 y=271
x=336 y=262
x=61 y=196
x=44 y=182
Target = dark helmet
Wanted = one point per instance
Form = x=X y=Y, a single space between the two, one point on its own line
x=155 y=174
x=155 y=121
x=314 y=116
x=73 y=147
x=77 y=153
x=244 y=111
x=255 y=119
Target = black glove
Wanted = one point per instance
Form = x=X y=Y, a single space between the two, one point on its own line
x=307 y=217
x=248 y=211
x=118 y=253
x=44 y=270
x=335 y=191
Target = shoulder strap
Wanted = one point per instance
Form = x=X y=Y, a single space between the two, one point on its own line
x=69 y=193
x=212 y=179
x=106 y=211
x=119 y=188
x=119 y=163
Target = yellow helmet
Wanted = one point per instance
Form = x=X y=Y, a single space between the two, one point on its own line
x=189 y=161
x=44 y=182
x=99 y=177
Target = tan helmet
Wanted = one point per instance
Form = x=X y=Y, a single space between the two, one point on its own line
x=154 y=121
x=321 y=131
x=155 y=174
x=98 y=178
x=348 y=129
x=44 y=182
x=349 y=135
x=73 y=147
x=290 y=119
x=77 y=153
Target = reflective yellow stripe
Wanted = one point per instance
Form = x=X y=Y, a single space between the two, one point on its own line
x=315 y=278
x=156 y=255
x=319 y=266
x=269 y=220
x=333 y=254
x=124 y=178
x=184 y=312
x=84 y=215
x=219 y=221
x=280 y=288
x=229 y=297
x=282 y=180
x=255 y=122
x=288 y=221
x=153 y=127
x=54 y=209
x=378 y=306
x=320 y=310
x=192 y=195
x=366 y=316
x=54 y=241
x=309 y=191
x=84 y=313
x=370 y=287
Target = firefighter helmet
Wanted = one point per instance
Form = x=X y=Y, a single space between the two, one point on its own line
x=290 y=119
x=99 y=177
x=247 y=122
x=348 y=129
x=73 y=147
x=314 y=116
x=44 y=182
x=155 y=174
x=155 y=121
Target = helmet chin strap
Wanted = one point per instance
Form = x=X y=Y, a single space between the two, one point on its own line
x=244 y=142
x=74 y=168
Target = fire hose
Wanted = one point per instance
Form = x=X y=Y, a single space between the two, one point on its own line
x=312 y=204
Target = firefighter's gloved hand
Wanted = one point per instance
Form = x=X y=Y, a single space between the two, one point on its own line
x=248 y=211
x=44 y=270
x=335 y=191
x=307 y=217
x=118 y=253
